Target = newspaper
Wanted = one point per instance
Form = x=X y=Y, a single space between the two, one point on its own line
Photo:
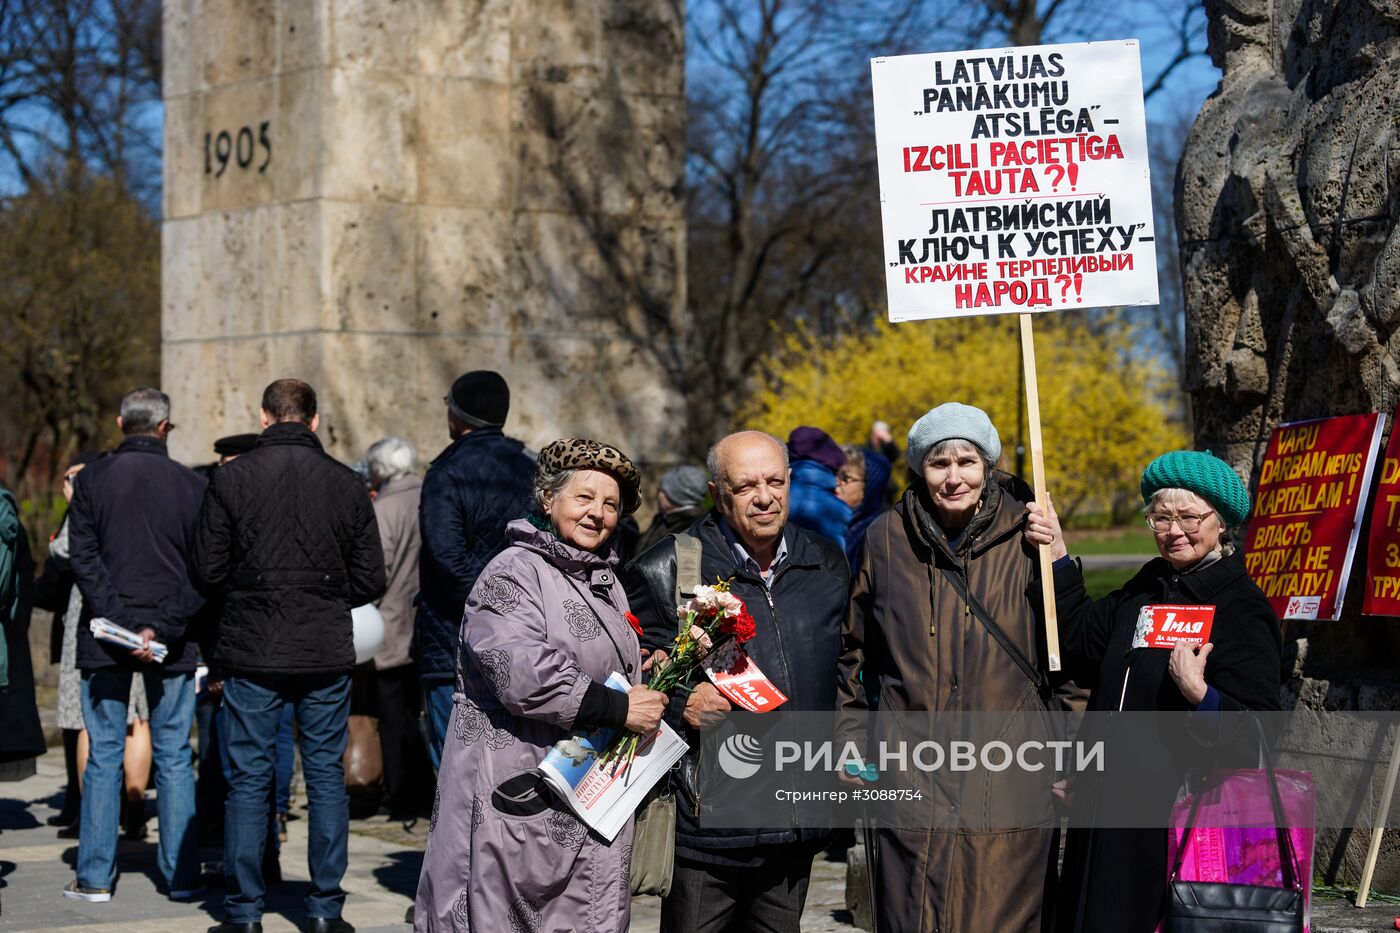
x=106 y=630
x=606 y=796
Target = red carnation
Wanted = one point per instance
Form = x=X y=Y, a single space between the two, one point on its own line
x=635 y=623
x=741 y=626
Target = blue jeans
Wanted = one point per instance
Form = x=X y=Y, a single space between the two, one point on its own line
x=171 y=700
x=437 y=703
x=285 y=761
x=252 y=715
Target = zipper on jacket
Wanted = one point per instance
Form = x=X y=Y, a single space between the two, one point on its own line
x=787 y=668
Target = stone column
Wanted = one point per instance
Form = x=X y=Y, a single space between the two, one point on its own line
x=378 y=195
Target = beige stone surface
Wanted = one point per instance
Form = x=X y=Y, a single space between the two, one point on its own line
x=1288 y=223
x=465 y=39
x=452 y=185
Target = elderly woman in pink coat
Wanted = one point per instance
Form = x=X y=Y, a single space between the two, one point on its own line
x=545 y=626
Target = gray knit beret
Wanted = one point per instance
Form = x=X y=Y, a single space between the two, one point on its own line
x=947 y=421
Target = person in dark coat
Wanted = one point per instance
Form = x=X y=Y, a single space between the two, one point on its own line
x=1114 y=879
x=130 y=533
x=862 y=483
x=476 y=486
x=22 y=738
x=816 y=459
x=794 y=582
x=680 y=500
x=912 y=645
x=287 y=541
x=53 y=589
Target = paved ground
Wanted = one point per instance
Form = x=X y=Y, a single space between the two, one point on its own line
x=384 y=864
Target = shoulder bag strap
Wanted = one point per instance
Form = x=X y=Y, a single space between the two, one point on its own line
x=687 y=566
x=977 y=609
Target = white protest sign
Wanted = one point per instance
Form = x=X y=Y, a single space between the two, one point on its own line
x=1014 y=180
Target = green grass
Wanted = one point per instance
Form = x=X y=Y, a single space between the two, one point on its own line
x=1126 y=539
x=1101 y=582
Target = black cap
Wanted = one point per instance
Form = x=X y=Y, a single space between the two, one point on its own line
x=235 y=444
x=480 y=398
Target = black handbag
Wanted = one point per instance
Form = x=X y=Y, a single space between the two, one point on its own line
x=1220 y=907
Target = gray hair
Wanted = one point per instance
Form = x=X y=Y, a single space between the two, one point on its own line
x=143 y=410
x=388 y=458
x=548 y=483
x=954 y=445
x=712 y=457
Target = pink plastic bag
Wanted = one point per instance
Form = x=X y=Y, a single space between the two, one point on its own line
x=1233 y=839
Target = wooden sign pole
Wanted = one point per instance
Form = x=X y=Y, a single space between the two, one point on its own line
x=1363 y=893
x=1047 y=573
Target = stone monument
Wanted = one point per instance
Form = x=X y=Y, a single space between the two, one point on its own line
x=1288 y=196
x=378 y=195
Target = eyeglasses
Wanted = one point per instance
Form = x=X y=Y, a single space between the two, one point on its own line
x=1161 y=523
x=843 y=479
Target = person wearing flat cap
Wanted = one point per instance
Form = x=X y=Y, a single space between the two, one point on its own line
x=1114 y=879
x=474 y=488
x=940 y=620
x=546 y=624
x=680 y=500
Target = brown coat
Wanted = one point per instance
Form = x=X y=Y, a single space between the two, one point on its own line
x=911 y=644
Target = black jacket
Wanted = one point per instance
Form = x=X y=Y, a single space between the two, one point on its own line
x=480 y=483
x=21 y=735
x=1114 y=879
x=130 y=534
x=797 y=645
x=288 y=543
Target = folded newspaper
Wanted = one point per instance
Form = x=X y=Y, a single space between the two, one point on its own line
x=106 y=630
x=606 y=796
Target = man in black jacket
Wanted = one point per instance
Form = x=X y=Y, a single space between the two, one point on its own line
x=794 y=583
x=130 y=532
x=475 y=487
x=288 y=542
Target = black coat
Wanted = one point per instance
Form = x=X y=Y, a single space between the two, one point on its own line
x=130 y=533
x=480 y=483
x=52 y=587
x=288 y=543
x=797 y=645
x=1114 y=879
x=21 y=735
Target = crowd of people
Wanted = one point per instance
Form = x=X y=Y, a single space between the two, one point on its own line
x=511 y=584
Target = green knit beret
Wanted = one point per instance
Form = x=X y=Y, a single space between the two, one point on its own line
x=1204 y=474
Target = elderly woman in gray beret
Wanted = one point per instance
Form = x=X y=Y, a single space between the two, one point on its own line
x=546 y=624
x=1114 y=879
x=940 y=620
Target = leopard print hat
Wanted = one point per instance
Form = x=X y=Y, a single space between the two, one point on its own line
x=577 y=453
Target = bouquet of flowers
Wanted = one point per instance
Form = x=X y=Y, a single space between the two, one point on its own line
x=709 y=620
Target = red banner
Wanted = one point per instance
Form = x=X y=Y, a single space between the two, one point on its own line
x=1383 y=549
x=1307 y=512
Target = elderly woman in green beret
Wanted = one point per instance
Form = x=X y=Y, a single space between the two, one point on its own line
x=1114 y=879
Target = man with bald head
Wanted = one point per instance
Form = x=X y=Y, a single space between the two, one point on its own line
x=795 y=584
